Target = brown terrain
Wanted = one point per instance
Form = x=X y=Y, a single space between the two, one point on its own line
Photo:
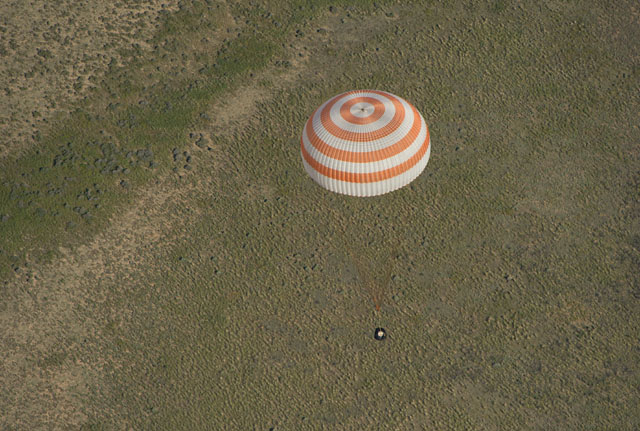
x=218 y=292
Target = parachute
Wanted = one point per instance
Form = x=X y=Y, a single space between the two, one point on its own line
x=365 y=143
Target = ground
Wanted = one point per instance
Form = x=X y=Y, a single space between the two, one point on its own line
x=166 y=263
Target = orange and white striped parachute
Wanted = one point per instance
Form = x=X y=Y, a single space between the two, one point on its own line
x=365 y=143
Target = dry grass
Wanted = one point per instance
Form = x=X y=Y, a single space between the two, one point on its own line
x=214 y=289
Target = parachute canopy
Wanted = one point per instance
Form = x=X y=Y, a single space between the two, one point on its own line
x=365 y=143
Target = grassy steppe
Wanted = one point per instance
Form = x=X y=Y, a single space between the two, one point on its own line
x=210 y=288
